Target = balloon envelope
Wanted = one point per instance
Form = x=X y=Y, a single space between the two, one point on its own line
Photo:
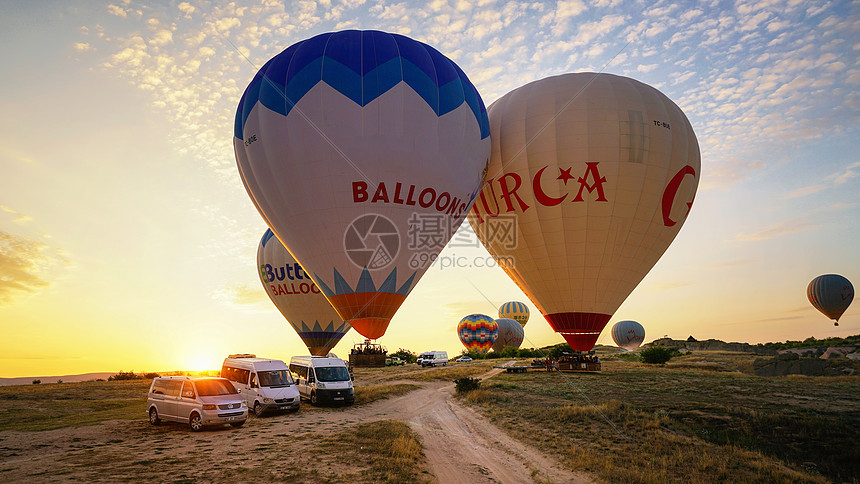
x=590 y=179
x=298 y=298
x=478 y=332
x=831 y=294
x=628 y=334
x=363 y=151
x=515 y=310
x=511 y=335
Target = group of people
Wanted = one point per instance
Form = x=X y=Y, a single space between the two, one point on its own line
x=368 y=350
x=552 y=364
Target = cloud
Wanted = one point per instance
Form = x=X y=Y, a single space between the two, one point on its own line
x=777 y=230
x=118 y=11
x=81 y=46
x=22 y=263
x=187 y=9
x=801 y=192
x=245 y=295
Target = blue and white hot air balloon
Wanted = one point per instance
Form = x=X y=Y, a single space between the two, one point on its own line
x=363 y=151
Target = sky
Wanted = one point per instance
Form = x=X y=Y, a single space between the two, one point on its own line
x=127 y=241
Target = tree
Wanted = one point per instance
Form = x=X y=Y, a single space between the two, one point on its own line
x=405 y=355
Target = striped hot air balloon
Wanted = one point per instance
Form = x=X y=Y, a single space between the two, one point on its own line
x=831 y=294
x=478 y=332
x=515 y=310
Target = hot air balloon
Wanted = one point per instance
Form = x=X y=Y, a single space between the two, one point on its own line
x=628 y=334
x=478 y=332
x=298 y=298
x=831 y=294
x=517 y=311
x=363 y=151
x=590 y=179
x=511 y=335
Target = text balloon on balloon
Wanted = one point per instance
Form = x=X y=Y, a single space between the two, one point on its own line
x=363 y=151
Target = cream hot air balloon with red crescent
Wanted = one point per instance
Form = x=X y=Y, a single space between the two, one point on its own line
x=363 y=151
x=590 y=179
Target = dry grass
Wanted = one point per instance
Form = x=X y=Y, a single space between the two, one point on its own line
x=58 y=405
x=388 y=449
x=641 y=423
x=373 y=393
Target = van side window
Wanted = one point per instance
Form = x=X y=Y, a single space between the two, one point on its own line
x=253 y=382
x=173 y=388
x=159 y=387
x=242 y=376
x=187 y=390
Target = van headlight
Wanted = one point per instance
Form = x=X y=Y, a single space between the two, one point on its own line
x=321 y=385
x=268 y=400
x=244 y=404
x=208 y=406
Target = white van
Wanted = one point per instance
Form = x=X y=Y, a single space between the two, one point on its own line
x=322 y=379
x=434 y=358
x=266 y=384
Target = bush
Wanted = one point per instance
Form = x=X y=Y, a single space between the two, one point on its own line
x=508 y=352
x=150 y=376
x=657 y=355
x=466 y=384
x=123 y=375
x=36 y=382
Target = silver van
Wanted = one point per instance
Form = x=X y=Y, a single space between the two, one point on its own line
x=196 y=401
x=321 y=379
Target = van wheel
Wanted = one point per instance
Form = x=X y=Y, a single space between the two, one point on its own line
x=258 y=409
x=195 y=422
x=153 y=416
x=314 y=401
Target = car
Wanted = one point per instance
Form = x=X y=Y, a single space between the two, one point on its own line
x=464 y=359
x=196 y=401
x=394 y=361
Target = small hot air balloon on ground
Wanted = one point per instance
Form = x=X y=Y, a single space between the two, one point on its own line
x=515 y=310
x=831 y=294
x=598 y=173
x=478 y=332
x=511 y=335
x=628 y=334
x=363 y=151
x=298 y=298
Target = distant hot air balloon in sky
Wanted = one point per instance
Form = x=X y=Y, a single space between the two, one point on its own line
x=478 y=332
x=363 y=151
x=628 y=334
x=298 y=298
x=511 y=335
x=598 y=172
x=831 y=294
x=517 y=311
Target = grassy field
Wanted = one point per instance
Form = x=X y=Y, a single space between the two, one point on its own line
x=58 y=405
x=693 y=420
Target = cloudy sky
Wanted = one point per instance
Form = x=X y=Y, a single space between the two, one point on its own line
x=127 y=241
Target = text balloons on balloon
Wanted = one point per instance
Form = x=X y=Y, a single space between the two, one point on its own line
x=598 y=173
x=831 y=294
x=298 y=298
x=478 y=332
x=357 y=148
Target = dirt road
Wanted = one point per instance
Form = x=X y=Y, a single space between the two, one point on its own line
x=460 y=445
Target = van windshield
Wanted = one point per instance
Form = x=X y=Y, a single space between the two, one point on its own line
x=275 y=378
x=332 y=373
x=210 y=388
